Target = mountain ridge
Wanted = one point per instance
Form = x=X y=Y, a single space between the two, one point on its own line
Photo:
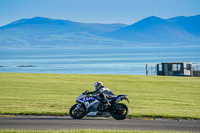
x=154 y=29
x=48 y=32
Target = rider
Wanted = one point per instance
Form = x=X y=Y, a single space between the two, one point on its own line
x=104 y=93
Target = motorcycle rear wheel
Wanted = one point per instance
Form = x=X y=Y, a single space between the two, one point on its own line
x=77 y=113
x=121 y=112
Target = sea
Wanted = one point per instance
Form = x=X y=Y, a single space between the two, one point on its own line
x=93 y=60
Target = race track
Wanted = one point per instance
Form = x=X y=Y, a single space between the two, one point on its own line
x=64 y=123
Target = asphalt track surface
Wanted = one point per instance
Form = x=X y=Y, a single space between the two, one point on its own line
x=64 y=123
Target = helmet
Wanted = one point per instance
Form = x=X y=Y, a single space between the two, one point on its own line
x=97 y=85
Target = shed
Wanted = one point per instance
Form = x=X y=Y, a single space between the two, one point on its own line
x=175 y=69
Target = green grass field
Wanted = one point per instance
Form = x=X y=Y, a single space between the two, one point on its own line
x=54 y=94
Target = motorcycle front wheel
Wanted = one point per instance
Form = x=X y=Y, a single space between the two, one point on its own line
x=77 y=112
x=121 y=112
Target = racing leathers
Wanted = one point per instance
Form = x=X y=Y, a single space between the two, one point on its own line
x=104 y=94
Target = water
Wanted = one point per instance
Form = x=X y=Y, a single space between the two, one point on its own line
x=126 y=60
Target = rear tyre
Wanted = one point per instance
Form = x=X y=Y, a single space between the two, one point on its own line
x=121 y=112
x=77 y=113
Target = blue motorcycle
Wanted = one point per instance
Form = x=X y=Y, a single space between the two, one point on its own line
x=91 y=106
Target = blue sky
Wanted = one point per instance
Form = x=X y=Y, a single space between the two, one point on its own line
x=96 y=11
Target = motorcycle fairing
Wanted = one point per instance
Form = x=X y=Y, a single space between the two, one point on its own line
x=121 y=97
x=87 y=98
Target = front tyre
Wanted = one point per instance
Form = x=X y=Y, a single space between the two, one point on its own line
x=121 y=112
x=77 y=111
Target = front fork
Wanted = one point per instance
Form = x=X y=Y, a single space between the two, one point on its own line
x=78 y=106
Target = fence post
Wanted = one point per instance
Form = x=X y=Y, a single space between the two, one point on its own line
x=147 y=73
x=191 y=71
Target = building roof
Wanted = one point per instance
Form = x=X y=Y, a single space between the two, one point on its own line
x=176 y=62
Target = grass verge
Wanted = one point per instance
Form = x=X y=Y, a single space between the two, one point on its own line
x=54 y=94
x=84 y=131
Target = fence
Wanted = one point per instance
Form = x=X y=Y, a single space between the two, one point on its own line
x=196 y=70
x=151 y=69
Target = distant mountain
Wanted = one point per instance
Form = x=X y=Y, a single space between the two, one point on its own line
x=46 y=32
x=41 y=31
x=59 y=26
x=158 y=30
x=190 y=24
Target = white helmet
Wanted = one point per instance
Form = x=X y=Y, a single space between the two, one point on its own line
x=97 y=85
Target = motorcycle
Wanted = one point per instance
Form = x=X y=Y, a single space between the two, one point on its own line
x=91 y=106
